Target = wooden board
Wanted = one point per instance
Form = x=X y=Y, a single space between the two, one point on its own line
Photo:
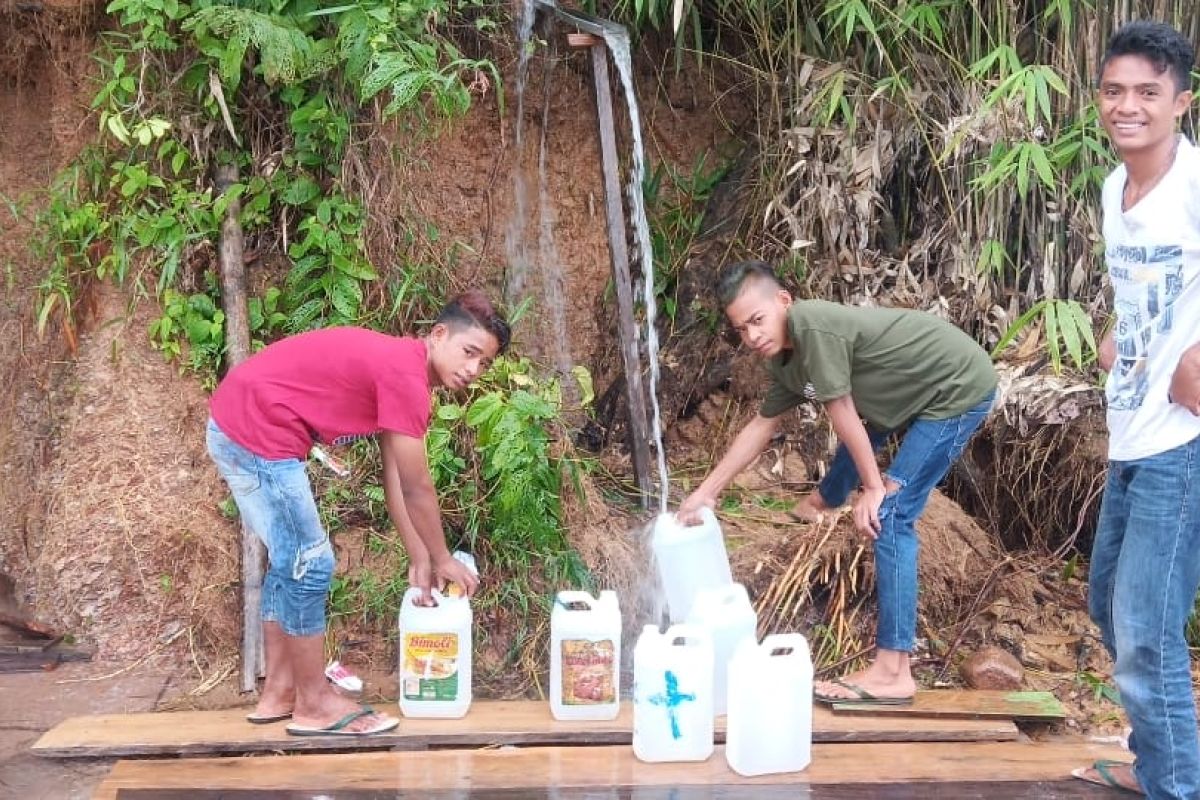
x=519 y=722
x=958 y=790
x=975 y=704
x=606 y=768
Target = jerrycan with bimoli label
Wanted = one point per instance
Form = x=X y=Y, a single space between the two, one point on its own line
x=585 y=656
x=672 y=694
x=435 y=656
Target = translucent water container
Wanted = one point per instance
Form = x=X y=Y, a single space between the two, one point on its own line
x=672 y=694
x=768 y=728
x=689 y=558
x=726 y=613
x=435 y=656
x=585 y=656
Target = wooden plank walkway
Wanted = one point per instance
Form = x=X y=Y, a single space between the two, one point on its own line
x=614 y=771
x=488 y=723
x=974 y=704
x=958 y=790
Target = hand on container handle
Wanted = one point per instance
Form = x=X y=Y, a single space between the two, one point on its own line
x=691 y=510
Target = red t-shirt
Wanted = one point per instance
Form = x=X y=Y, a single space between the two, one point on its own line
x=332 y=386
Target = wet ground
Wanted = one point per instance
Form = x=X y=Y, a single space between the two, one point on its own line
x=32 y=703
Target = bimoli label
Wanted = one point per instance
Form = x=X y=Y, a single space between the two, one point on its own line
x=430 y=666
x=587 y=672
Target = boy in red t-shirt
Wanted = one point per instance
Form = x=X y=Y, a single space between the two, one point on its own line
x=333 y=386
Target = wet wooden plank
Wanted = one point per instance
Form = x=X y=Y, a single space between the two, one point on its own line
x=1042 y=790
x=976 y=704
x=605 y=769
x=488 y=723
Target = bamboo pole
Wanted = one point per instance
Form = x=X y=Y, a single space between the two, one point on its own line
x=237 y=350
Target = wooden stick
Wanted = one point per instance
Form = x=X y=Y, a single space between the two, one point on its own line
x=237 y=343
x=639 y=428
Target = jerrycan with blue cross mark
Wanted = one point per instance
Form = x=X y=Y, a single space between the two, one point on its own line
x=673 y=694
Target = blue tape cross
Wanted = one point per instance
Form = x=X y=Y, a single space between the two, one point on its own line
x=671 y=699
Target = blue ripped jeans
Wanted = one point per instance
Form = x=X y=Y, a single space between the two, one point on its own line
x=276 y=503
x=1142 y=584
x=927 y=450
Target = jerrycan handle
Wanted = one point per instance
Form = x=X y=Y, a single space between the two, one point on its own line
x=708 y=518
x=568 y=597
x=410 y=598
x=789 y=645
x=683 y=635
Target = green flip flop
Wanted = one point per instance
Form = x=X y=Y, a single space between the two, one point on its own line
x=862 y=697
x=338 y=728
x=1103 y=769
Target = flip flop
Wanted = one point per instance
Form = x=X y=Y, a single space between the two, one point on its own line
x=1103 y=768
x=268 y=718
x=339 y=728
x=862 y=698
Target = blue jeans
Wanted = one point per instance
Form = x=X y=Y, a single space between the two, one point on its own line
x=1142 y=585
x=928 y=449
x=276 y=503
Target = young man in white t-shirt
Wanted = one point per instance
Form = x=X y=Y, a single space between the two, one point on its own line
x=1145 y=566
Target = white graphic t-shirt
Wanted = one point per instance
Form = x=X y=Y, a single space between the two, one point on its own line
x=1153 y=256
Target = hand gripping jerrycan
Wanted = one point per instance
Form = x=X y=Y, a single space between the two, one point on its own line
x=768 y=728
x=726 y=613
x=585 y=656
x=689 y=558
x=435 y=656
x=672 y=694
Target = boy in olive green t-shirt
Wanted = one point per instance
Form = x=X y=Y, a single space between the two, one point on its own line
x=893 y=368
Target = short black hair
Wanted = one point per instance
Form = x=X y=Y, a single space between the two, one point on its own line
x=1158 y=43
x=734 y=278
x=473 y=309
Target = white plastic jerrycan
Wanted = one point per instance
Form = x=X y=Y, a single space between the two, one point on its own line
x=672 y=694
x=689 y=558
x=435 y=656
x=769 y=725
x=585 y=656
x=726 y=613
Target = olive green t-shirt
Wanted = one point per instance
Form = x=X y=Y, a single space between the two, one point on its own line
x=897 y=364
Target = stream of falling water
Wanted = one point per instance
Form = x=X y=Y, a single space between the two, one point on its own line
x=541 y=261
x=617 y=40
x=643 y=600
x=618 y=44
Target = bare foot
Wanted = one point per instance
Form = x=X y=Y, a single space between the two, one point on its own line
x=273 y=705
x=811 y=508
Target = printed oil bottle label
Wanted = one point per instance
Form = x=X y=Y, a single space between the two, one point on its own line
x=587 y=672
x=430 y=666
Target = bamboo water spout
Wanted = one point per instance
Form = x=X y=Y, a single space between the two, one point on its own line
x=645 y=428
